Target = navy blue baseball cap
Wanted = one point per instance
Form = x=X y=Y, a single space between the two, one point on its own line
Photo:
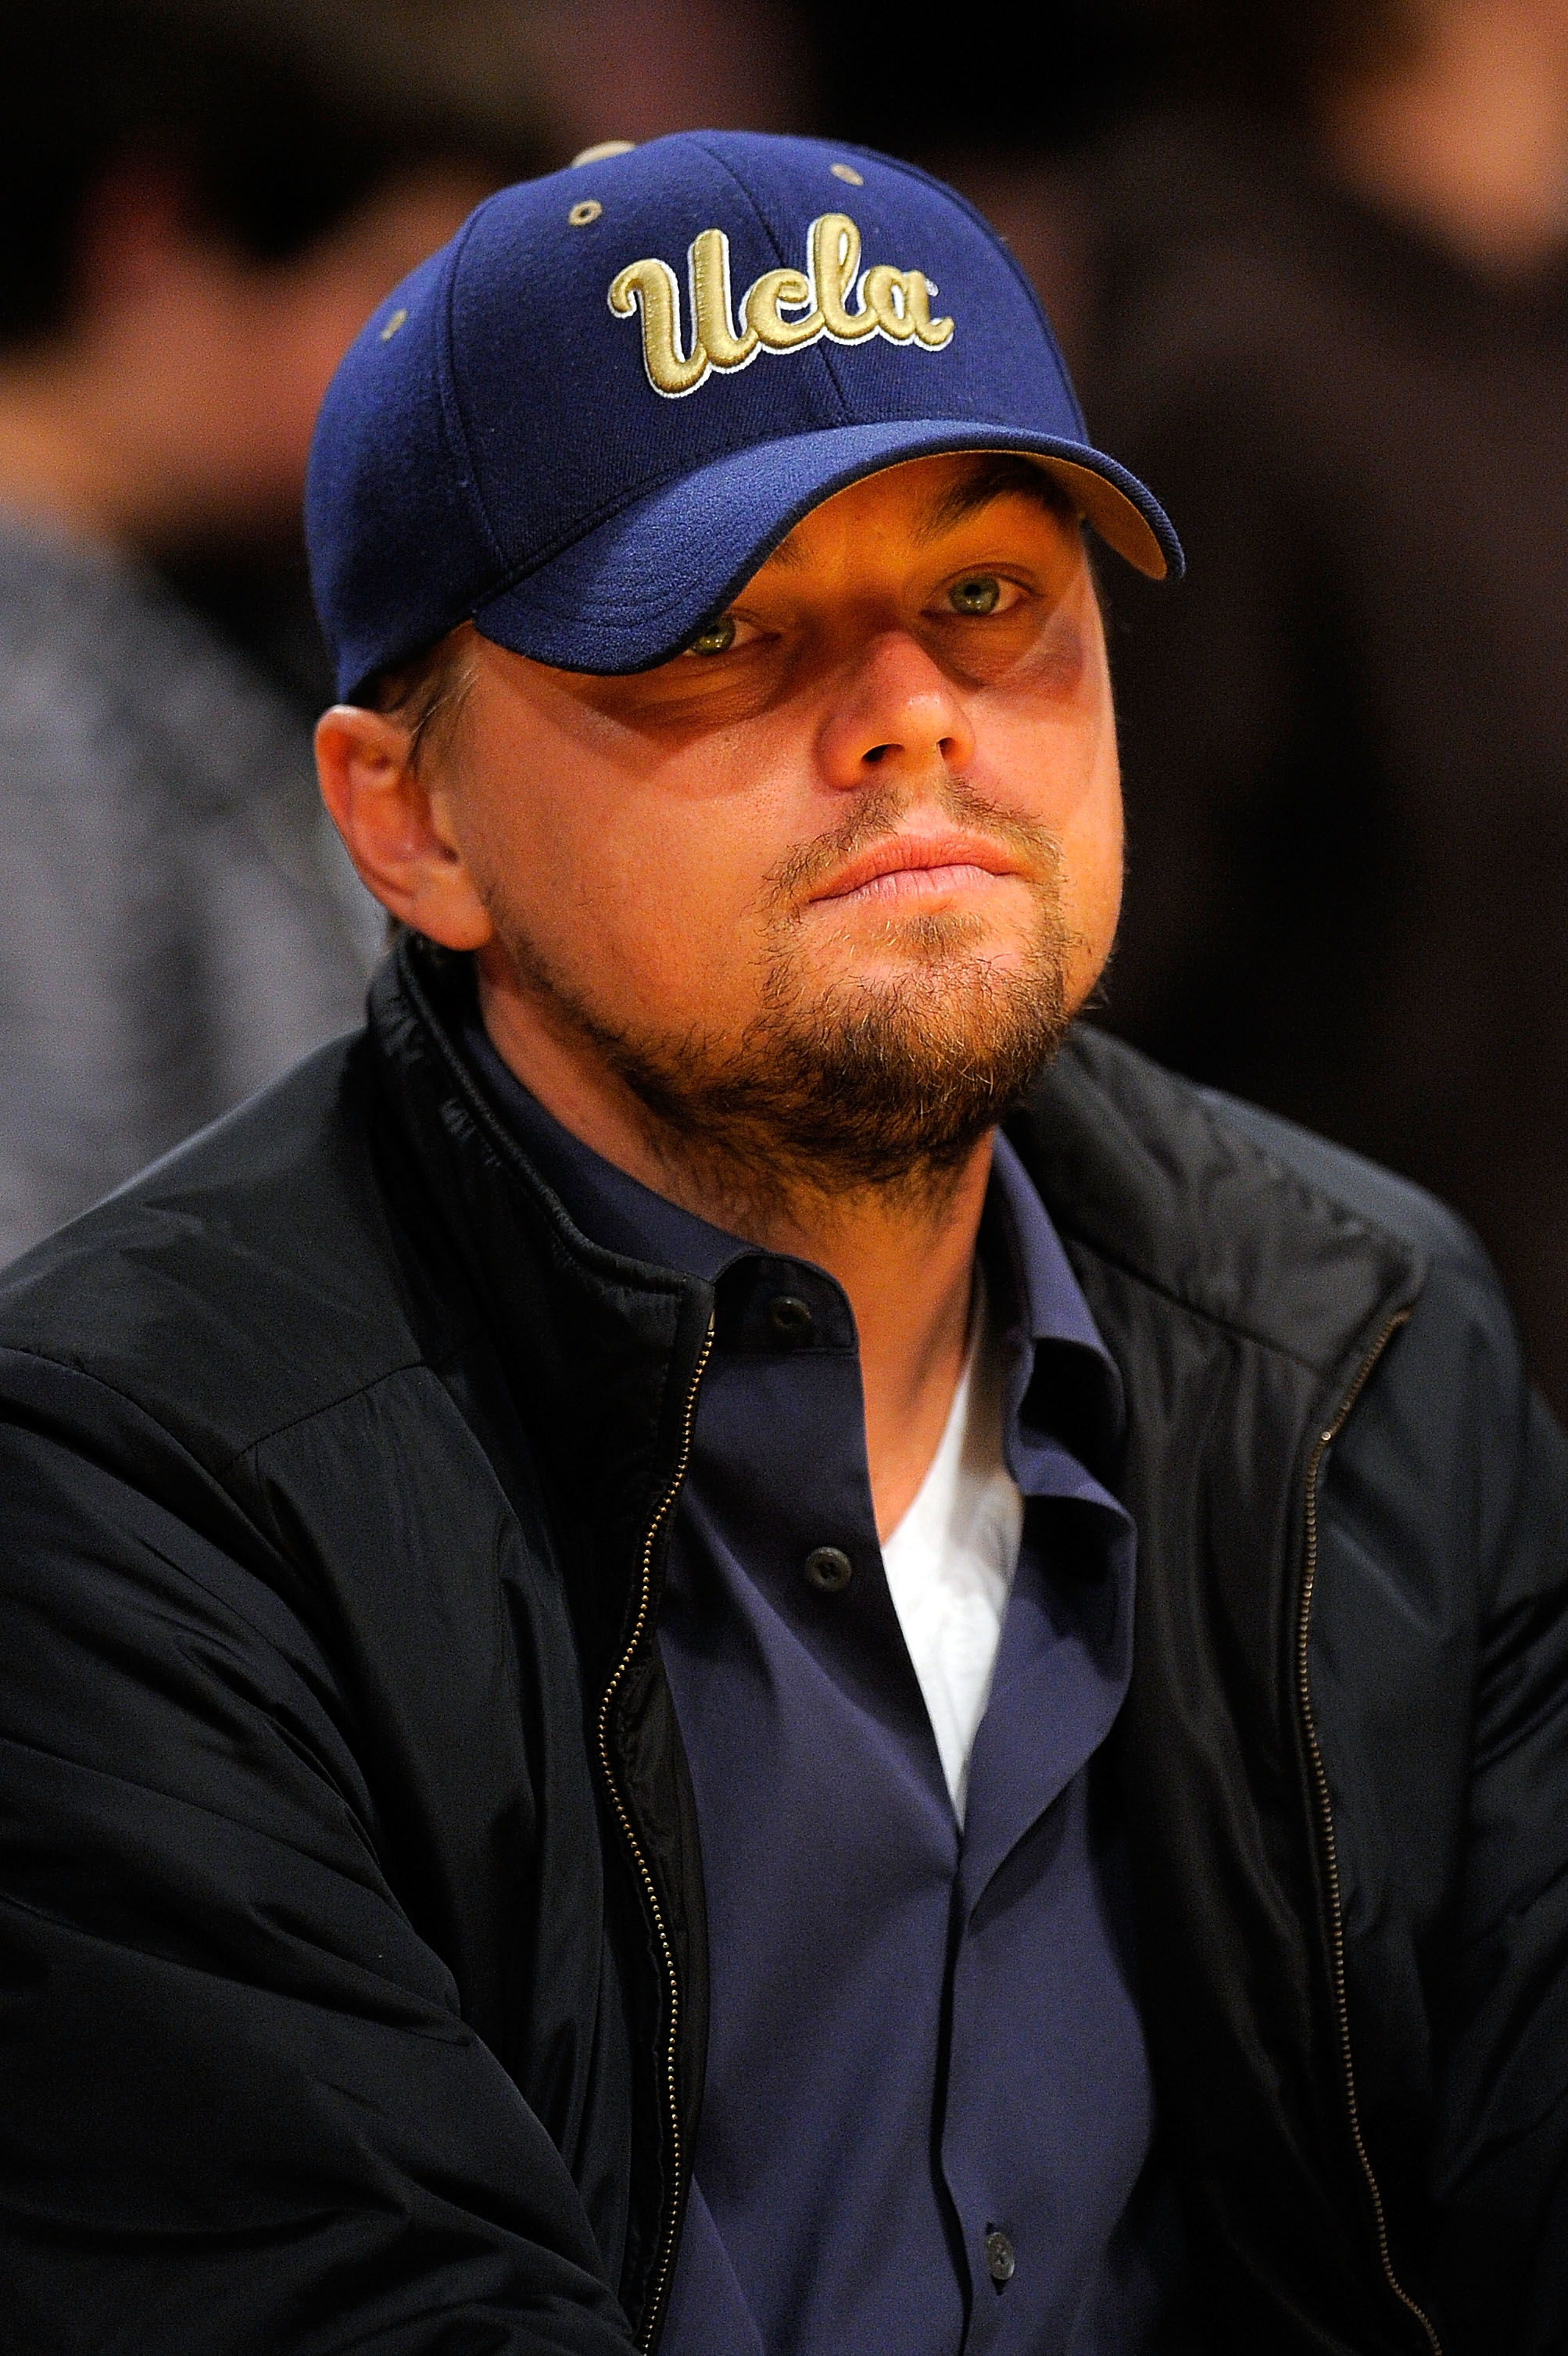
x=584 y=423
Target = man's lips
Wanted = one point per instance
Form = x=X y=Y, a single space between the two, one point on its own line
x=916 y=866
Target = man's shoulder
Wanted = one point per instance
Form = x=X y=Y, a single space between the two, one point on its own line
x=247 y=1280
x=1378 y=1196
x=1231 y=1211
x=1219 y=1245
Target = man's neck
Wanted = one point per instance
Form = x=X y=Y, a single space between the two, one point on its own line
x=1469 y=134
x=904 y=1255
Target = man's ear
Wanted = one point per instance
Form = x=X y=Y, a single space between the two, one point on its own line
x=397 y=825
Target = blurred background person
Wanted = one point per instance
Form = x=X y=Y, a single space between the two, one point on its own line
x=637 y=68
x=199 y=206
x=1332 y=329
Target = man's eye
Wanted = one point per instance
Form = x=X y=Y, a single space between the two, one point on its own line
x=715 y=637
x=977 y=592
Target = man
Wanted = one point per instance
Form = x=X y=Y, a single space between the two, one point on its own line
x=194 y=222
x=588 y=1761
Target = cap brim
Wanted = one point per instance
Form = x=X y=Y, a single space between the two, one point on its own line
x=633 y=591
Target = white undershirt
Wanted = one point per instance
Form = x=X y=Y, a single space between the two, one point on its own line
x=950 y=1561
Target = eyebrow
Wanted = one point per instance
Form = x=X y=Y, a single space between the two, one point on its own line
x=785 y=553
x=992 y=479
x=992 y=476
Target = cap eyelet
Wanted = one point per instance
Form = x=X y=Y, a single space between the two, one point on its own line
x=582 y=214
x=392 y=324
x=847 y=172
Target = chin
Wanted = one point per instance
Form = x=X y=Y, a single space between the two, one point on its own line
x=950 y=926
x=950 y=943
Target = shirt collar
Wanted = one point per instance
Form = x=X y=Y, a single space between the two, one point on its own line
x=1041 y=1297
x=1017 y=1227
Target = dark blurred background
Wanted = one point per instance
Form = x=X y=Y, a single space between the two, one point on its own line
x=1307 y=261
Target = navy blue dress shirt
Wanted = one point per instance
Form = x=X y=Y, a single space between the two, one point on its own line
x=928 y=2118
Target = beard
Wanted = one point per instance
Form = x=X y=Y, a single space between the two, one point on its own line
x=839 y=1087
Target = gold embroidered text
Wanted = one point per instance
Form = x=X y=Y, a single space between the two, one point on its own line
x=783 y=311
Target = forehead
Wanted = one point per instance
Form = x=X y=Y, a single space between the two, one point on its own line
x=921 y=501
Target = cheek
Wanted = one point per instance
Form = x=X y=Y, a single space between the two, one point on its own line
x=1053 y=758
x=1094 y=868
x=1090 y=838
x=643 y=901
x=1058 y=669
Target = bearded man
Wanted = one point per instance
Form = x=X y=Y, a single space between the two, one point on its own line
x=726 y=1640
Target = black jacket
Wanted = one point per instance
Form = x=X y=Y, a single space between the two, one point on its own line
x=352 y=1954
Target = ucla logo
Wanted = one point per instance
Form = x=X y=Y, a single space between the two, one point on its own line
x=783 y=311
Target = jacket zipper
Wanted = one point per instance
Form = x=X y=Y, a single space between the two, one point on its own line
x=656 y=1913
x=1326 y=1820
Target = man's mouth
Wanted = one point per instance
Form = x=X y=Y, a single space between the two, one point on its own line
x=917 y=867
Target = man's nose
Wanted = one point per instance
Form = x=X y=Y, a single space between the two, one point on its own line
x=896 y=714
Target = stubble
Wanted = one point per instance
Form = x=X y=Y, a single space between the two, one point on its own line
x=859 y=1084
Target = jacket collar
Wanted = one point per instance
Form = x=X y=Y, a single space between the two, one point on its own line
x=1140 y=1172
x=1137 y=1171
x=600 y=1352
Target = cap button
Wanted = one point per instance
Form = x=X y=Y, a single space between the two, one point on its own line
x=603 y=152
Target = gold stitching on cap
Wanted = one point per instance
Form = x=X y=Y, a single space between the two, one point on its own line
x=899 y=298
x=835 y=266
x=710 y=307
x=651 y=286
x=847 y=172
x=588 y=211
x=392 y=324
x=891 y=303
x=767 y=299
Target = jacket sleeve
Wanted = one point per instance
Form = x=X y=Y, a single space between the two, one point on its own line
x=1504 y=2149
x=1439 y=1675
x=242 y=2108
x=1440 y=1672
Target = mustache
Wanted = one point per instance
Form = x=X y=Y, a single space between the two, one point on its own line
x=875 y=817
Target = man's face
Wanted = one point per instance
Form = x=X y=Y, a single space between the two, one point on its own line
x=826 y=888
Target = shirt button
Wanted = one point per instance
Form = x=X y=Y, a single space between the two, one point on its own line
x=1000 y=2261
x=790 y=1317
x=829 y=1569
